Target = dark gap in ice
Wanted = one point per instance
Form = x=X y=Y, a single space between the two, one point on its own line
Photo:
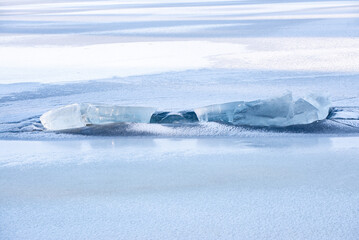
x=174 y=117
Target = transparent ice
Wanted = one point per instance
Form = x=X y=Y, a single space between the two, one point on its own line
x=276 y=112
x=79 y=115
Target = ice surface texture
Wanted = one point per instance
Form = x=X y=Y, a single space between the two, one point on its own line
x=277 y=112
x=79 y=115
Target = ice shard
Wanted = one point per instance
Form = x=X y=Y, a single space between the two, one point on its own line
x=80 y=115
x=282 y=111
x=63 y=118
x=276 y=112
x=217 y=112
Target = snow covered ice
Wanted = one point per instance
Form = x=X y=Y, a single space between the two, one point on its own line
x=220 y=151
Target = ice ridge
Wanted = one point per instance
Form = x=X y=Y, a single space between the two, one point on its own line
x=275 y=112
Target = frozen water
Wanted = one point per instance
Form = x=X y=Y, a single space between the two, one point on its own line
x=279 y=112
x=64 y=117
x=220 y=181
x=175 y=91
x=102 y=114
x=80 y=115
x=80 y=40
x=282 y=111
x=217 y=113
x=166 y=188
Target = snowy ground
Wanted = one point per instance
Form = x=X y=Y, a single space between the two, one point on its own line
x=210 y=181
x=102 y=39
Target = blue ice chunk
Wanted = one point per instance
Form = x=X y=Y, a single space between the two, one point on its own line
x=277 y=112
x=79 y=115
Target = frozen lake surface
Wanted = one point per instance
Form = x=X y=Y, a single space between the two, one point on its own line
x=146 y=188
x=178 y=181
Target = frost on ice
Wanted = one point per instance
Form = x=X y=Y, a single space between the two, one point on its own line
x=276 y=112
x=80 y=115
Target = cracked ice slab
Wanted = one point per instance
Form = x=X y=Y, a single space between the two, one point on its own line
x=277 y=112
x=79 y=115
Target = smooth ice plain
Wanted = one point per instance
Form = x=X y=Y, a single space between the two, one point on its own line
x=178 y=180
